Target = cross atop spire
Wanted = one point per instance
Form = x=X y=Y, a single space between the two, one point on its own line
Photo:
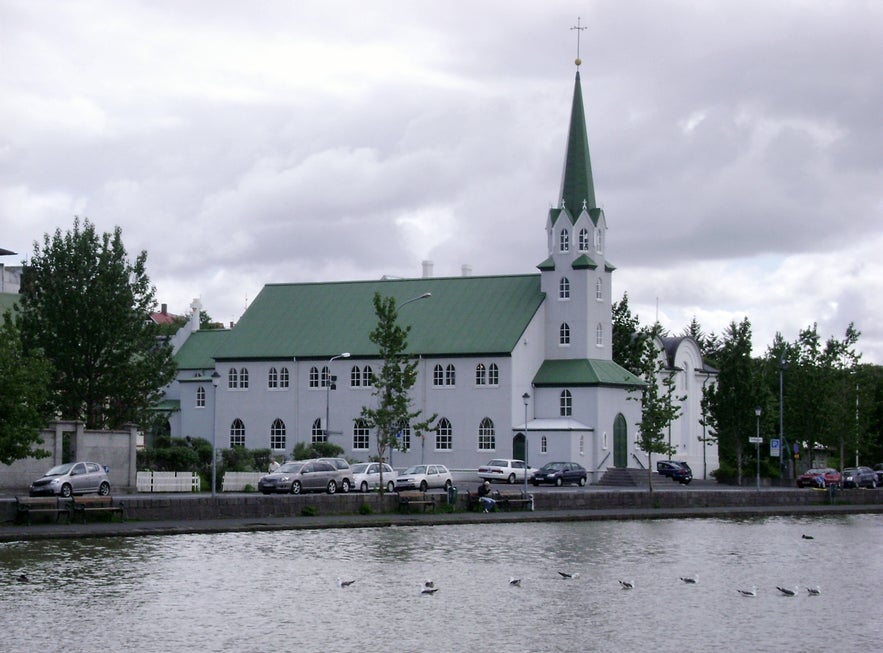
x=578 y=29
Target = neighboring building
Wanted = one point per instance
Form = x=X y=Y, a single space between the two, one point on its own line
x=10 y=275
x=507 y=363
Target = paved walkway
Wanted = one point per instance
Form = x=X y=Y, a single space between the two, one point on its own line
x=62 y=530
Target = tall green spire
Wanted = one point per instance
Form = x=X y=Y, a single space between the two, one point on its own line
x=577 y=185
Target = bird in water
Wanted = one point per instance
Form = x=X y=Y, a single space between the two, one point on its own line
x=752 y=592
x=814 y=591
x=627 y=584
x=807 y=537
x=23 y=579
x=515 y=582
x=428 y=583
x=566 y=575
x=786 y=591
x=344 y=583
x=428 y=590
x=690 y=580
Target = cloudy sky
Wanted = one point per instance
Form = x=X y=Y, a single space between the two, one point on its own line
x=737 y=145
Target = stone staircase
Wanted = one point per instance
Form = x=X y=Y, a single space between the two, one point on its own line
x=623 y=477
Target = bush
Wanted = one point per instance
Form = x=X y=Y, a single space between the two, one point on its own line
x=365 y=509
x=309 y=511
x=304 y=451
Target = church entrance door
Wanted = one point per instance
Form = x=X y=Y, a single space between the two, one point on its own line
x=620 y=442
x=518 y=446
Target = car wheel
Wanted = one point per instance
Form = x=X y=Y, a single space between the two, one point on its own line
x=582 y=481
x=364 y=486
x=390 y=487
x=345 y=485
x=448 y=485
x=511 y=479
x=295 y=487
x=104 y=489
x=332 y=487
x=559 y=482
x=874 y=485
x=423 y=486
x=66 y=490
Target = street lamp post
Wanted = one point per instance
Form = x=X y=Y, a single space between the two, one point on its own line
x=757 y=412
x=783 y=446
x=525 y=398
x=328 y=384
x=216 y=379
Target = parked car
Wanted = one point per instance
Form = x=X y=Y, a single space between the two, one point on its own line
x=859 y=477
x=676 y=470
x=878 y=470
x=346 y=482
x=504 y=469
x=72 y=478
x=423 y=477
x=366 y=476
x=820 y=477
x=560 y=474
x=302 y=476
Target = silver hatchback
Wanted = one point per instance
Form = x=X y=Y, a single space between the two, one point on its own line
x=72 y=478
x=302 y=476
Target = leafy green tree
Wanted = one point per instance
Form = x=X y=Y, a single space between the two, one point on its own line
x=393 y=384
x=628 y=337
x=24 y=401
x=85 y=306
x=305 y=451
x=659 y=405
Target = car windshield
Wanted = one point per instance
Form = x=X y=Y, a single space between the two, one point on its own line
x=498 y=463
x=416 y=469
x=553 y=466
x=361 y=468
x=59 y=470
x=290 y=467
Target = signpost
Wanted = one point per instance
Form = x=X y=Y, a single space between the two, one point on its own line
x=775 y=448
x=755 y=440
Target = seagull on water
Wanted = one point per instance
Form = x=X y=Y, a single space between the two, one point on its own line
x=428 y=590
x=807 y=537
x=627 y=584
x=752 y=592
x=786 y=591
x=23 y=579
x=690 y=580
x=428 y=583
x=564 y=574
x=515 y=582
x=814 y=591
x=344 y=583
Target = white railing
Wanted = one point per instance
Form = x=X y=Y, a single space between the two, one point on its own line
x=236 y=481
x=168 y=482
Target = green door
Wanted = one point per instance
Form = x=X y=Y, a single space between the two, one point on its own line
x=518 y=446
x=620 y=442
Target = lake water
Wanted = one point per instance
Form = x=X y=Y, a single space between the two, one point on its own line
x=278 y=590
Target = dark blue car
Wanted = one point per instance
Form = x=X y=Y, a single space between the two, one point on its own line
x=676 y=470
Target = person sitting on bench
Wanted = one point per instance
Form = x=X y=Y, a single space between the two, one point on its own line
x=484 y=491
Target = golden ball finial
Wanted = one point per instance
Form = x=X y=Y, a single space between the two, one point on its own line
x=577 y=61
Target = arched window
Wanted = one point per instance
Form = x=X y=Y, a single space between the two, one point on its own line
x=283 y=377
x=564 y=241
x=314 y=377
x=237 y=433
x=404 y=436
x=480 y=374
x=599 y=290
x=326 y=377
x=243 y=378
x=584 y=240
x=318 y=432
x=599 y=335
x=273 y=378
x=368 y=376
x=450 y=375
x=277 y=435
x=564 y=334
x=487 y=436
x=355 y=377
x=360 y=435
x=438 y=376
x=544 y=444
x=599 y=240
x=233 y=378
x=565 y=403
x=582 y=442
x=444 y=435
x=493 y=374
x=200 y=397
x=564 y=288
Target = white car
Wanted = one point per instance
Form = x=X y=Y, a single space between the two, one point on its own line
x=504 y=469
x=423 y=477
x=366 y=476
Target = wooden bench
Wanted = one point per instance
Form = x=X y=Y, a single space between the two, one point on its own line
x=415 y=498
x=87 y=504
x=509 y=500
x=28 y=506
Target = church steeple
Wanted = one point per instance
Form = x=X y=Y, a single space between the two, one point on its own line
x=577 y=185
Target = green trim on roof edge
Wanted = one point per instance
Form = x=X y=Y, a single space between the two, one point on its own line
x=583 y=262
x=548 y=265
x=585 y=372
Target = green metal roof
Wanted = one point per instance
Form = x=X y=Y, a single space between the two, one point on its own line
x=577 y=185
x=198 y=352
x=584 y=372
x=548 y=264
x=582 y=262
x=464 y=316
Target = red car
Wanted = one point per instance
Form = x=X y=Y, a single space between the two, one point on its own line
x=820 y=477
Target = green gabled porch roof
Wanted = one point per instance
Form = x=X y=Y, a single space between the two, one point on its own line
x=582 y=262
x=199 y=350
x=464 y=316
x=167 y=406
x=584 y=372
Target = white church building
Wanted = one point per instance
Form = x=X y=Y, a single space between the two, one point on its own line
x=511 y=365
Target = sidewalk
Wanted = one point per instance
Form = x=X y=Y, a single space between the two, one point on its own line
x=52 y=531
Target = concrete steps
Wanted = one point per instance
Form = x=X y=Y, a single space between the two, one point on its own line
x=623 y=477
